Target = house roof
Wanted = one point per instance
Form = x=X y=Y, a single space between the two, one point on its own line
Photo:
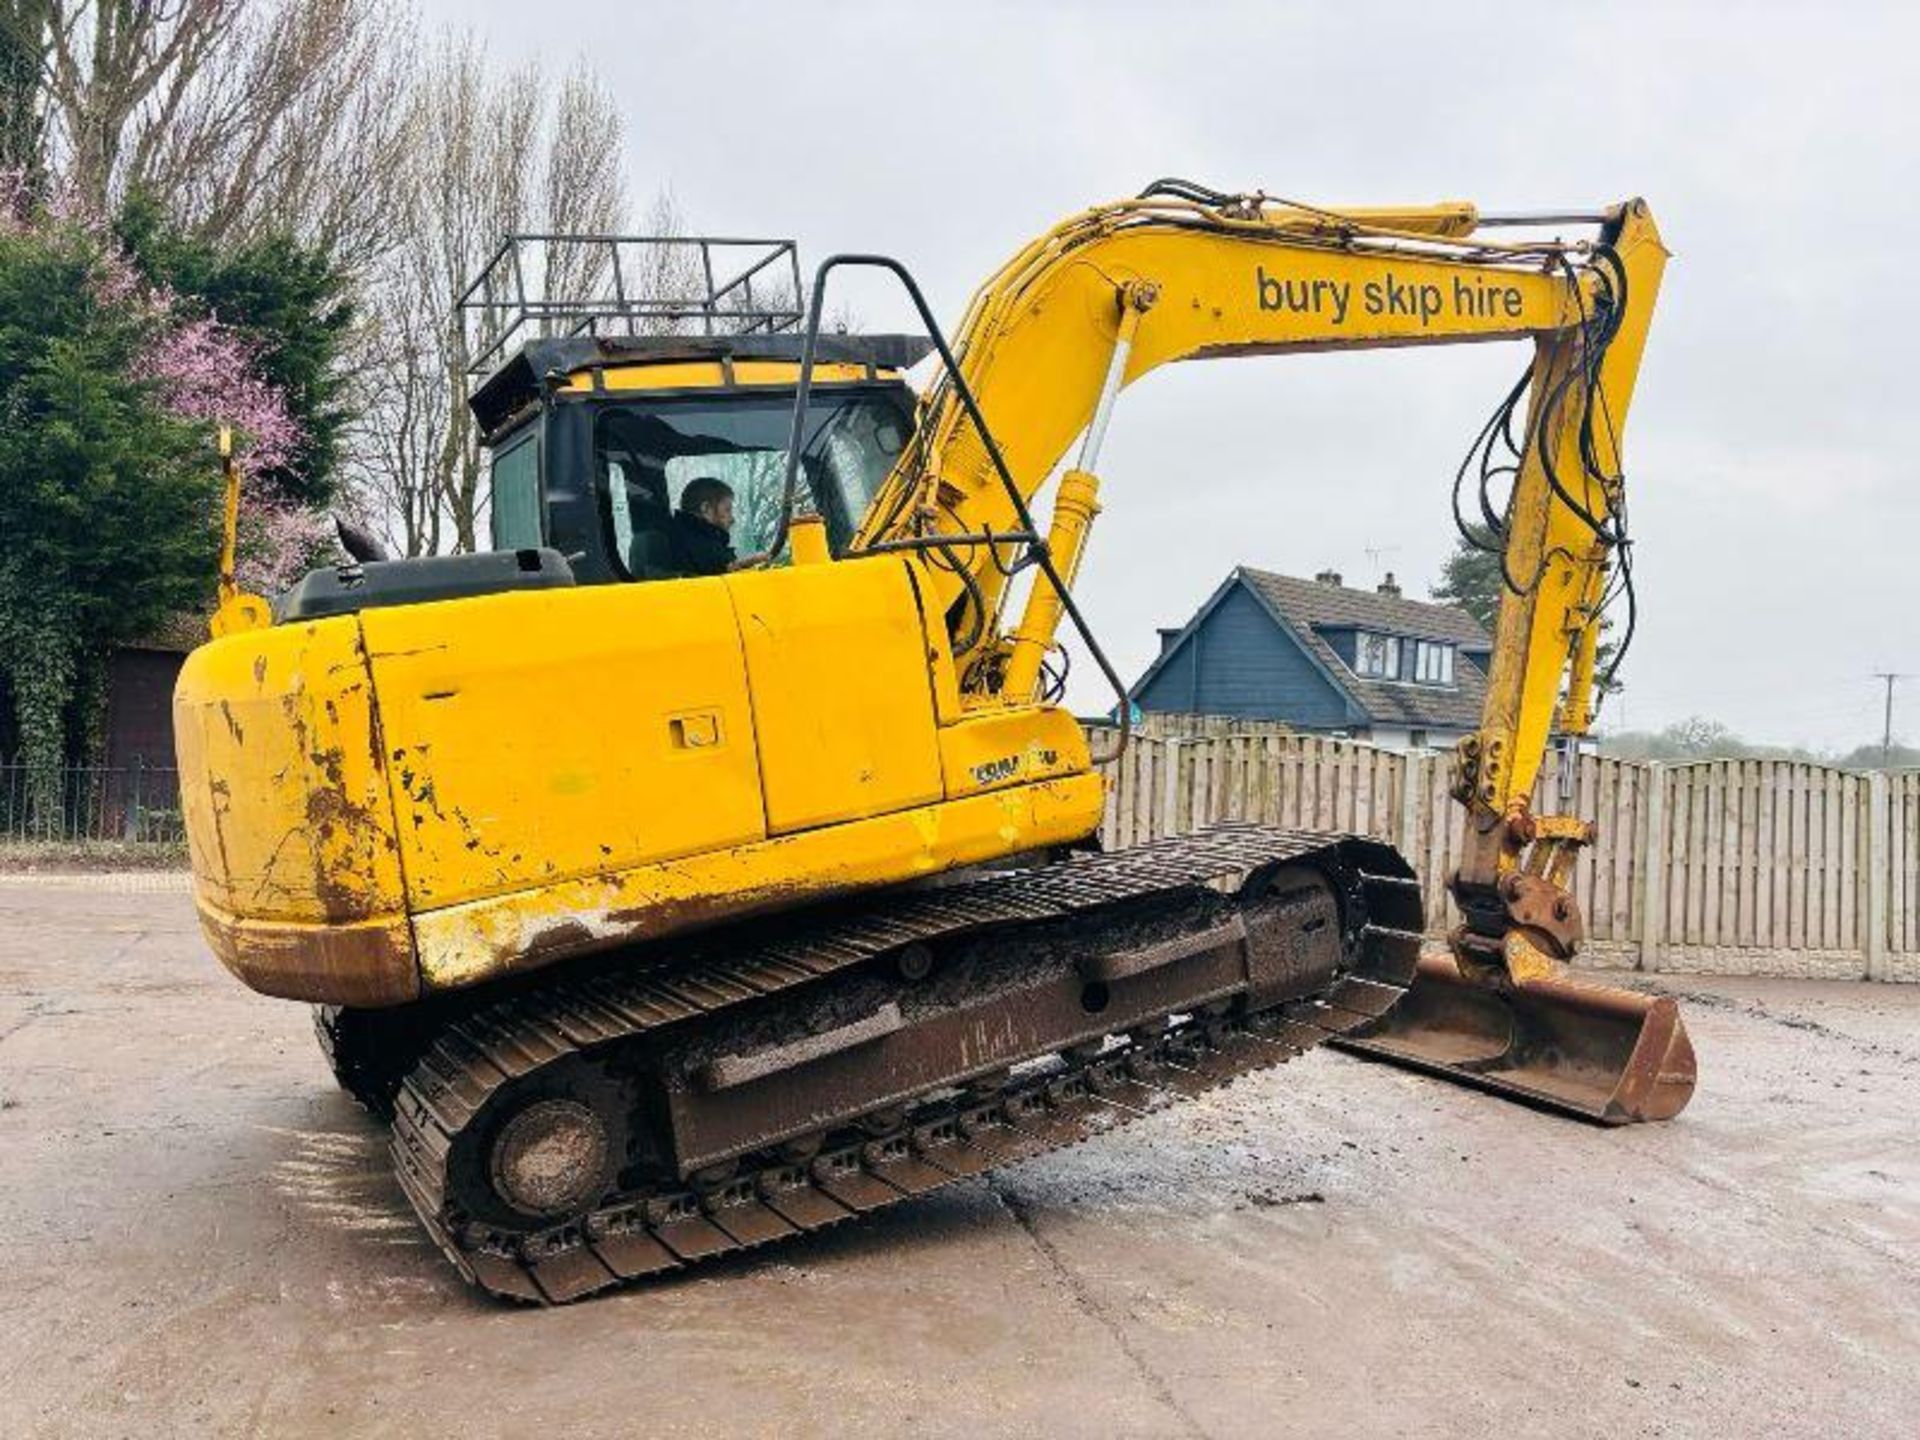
x=1307 y=609
x=1339 y=607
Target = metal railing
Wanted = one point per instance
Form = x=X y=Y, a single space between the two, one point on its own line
x=136 y=804
x=539 y=285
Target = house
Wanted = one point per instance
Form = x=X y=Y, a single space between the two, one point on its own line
x=1326 y=659
x=138 y=729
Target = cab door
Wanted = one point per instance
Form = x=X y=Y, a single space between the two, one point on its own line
x=842 y=690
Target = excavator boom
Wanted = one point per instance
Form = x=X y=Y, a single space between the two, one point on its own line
x=1183 y=274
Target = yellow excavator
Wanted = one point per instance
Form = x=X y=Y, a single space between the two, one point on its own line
x=669 y=903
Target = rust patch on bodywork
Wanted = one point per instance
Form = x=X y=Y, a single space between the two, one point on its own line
x=367 y=965
x=556 y=942
x=516 y=944
x=604 y=909
x=344 y=832
x=668 y=917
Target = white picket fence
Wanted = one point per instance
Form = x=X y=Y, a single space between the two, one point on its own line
x=1725 y=866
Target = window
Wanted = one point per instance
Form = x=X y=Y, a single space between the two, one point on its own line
x=1377 y=655
x=516 y=494
x=647 y=454
x=1432 y=662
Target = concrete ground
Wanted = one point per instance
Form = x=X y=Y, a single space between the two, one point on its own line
x=198 y=1235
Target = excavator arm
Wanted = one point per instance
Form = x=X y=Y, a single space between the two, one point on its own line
x=1120 y=290
x=1181 y=274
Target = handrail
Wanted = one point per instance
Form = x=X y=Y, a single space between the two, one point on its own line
x=1037 y=551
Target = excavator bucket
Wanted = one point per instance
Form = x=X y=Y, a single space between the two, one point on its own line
x=1604 y=1054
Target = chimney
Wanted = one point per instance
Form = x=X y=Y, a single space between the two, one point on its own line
x=1388 y=586
x=1168 y=636
x=1329 y=577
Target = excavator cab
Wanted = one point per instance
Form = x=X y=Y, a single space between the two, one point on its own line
x=595 y=440
x=612 y=372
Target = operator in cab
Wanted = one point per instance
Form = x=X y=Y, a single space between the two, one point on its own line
x=701 y=531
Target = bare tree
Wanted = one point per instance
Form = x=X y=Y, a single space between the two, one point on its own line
x=327 y=119
x=239 y=115
x=400 y=422
x=108 y=62
x=668 y=270
x=585 y=189
x=487 y=155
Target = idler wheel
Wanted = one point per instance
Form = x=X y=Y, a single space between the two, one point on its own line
x=550 y=1159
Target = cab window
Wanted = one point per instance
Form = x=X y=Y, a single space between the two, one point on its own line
x=646 y=453
x=516 y=494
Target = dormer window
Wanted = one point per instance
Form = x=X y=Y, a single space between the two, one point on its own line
x=1432 y=662
x=1376 y=655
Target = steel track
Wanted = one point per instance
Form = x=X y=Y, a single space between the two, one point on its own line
x=940 y=1137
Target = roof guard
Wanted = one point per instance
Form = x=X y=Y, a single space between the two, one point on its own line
x=541 y=285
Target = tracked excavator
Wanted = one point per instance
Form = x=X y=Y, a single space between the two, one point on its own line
x=667 y=914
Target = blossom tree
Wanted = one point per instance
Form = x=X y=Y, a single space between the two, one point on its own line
x=112 y=387
x=208 y=373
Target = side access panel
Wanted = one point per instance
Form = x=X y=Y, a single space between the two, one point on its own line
x=537 y=737
x=843 y=705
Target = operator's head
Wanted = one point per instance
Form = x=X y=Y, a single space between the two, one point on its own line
x=710 y=499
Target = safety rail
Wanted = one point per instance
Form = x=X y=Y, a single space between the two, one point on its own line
x=539 y=285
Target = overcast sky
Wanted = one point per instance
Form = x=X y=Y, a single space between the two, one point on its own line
x=1771 y=455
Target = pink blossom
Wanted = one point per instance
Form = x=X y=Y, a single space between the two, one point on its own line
x=117 y=283
x=23 y=205
x=279 y=542
x=205 y=372
x=208 y=372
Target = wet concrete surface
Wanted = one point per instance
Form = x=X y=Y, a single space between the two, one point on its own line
x=198 y=1235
